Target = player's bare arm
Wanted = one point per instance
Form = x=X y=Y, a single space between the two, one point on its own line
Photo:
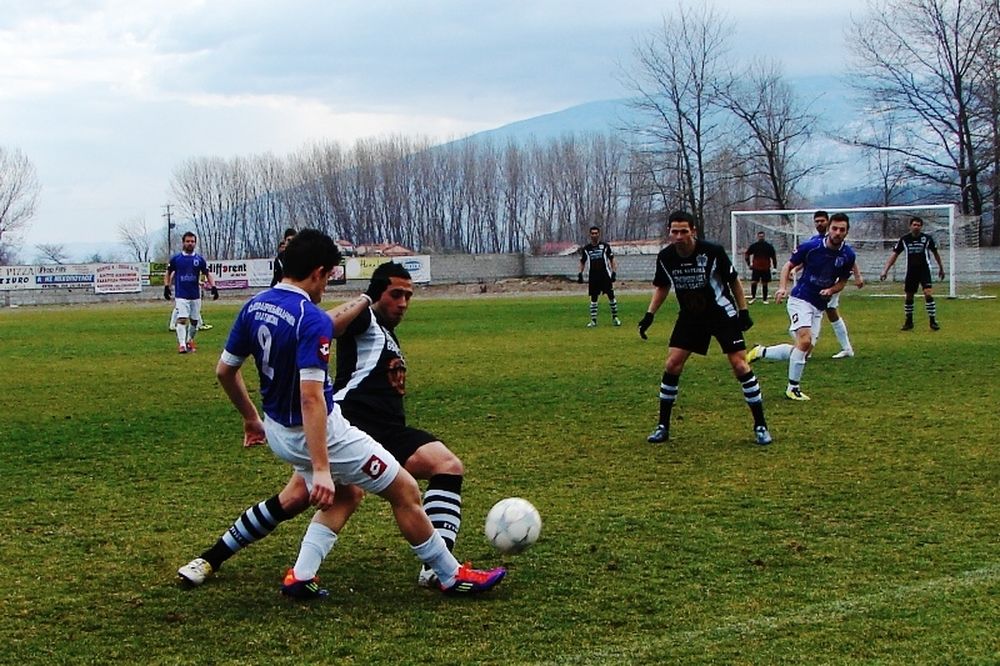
x=835 y=289
x=786 y=272
x=346 y=312
x=231 y=380
x=888 y=264
x=314 y=425
x=859 y=281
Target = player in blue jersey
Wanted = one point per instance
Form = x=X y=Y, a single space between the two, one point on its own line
x=917 y=245
x=289 y=338
x=369 y=387
x=821 y=220
x=827 y=263
x=712 y=304
x=186 y=269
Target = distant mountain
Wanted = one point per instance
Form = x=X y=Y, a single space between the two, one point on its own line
x=829 y=98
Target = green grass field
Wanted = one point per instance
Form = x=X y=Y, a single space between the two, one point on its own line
x=867 y=533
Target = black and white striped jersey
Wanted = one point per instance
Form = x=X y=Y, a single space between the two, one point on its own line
x=371 y=370
x=700 y=281
x=917 y=249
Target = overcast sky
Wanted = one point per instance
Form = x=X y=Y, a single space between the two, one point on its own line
x=108 y=97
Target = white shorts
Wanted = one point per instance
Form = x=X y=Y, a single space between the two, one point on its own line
x=188 y=308
x=803 y=314
x=355 y=458
x=834 y=301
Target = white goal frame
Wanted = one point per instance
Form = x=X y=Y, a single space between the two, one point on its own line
x=795 y=213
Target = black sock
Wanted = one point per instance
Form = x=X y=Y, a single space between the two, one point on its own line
x=253 y=525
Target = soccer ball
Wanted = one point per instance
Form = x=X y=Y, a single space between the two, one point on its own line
x=512 y=525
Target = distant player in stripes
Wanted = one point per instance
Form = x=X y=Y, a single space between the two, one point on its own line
x=369 y=389
x=761 y=258
x=827 y=262
x=712 y=304
x=917 y=245
x=598 y=260
x=185 y=269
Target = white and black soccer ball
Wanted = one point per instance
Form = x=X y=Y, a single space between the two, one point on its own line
x=512 y=525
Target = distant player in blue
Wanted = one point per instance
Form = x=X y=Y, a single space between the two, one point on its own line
x=827 y=263
x=186 y=268
x=916 y=245
x=289 y=338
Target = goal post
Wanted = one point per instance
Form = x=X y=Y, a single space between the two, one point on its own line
x=874 y=232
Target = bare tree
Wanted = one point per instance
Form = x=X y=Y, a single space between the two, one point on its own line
x=52 y=253
x=777 y=126
x=921 y=59
x=135 y=234
x=19 y=188
x=679 y=71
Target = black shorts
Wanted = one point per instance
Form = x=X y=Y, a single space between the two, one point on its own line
x=919 y=278
x=400 y=440
x=760 y=276
x=605 y=286
x=695 y=332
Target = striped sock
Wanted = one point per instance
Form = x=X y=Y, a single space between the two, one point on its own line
x=593 y=311
x=931 y=307
x=253 y=525
x=668 y=396
x=755 y=399
x=443 y=505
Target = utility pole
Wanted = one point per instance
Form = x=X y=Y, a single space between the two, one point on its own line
x=170 y=225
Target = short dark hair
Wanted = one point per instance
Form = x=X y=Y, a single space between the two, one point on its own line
x=680 y=216
x=390 y=269
x=840 y=217
x=821 y=213
x=916 y=219
x=308 y=250
x=289 y=232
x=189 y=233
x=595 y=228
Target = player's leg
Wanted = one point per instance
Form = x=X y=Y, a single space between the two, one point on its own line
x=909 y=290
x=183 y=307
x=931 y=306
x=194 y=320
x=763 y=286
x=173 y=319
x=839 y=327
x=251 y=526
x=613 y=303
x=669 y=388
x=736 y=353
x=300 y=581
x=442 y=500
x=753 y=290
x=804 y=318
x=594 y=291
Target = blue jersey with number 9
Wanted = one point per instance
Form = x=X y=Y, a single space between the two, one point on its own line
x=286 y=334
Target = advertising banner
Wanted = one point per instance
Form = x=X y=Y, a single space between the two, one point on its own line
x=361 y=268
x=17 y=277
x=65 y=275
x=118 y=279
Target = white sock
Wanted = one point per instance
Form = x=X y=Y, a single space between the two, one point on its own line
x=840 y=328
x=435 y=554
x=316 y=544
x=796 y=364
x=778 y=352
x=181 y=332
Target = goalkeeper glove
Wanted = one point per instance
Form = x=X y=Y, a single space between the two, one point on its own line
x=746 y=323
x=215 y=293
x=579 y=278
x=376 y=288
x=166 y=292
x=647 y=321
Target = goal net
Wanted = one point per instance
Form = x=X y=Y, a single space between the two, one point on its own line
x=874 y=232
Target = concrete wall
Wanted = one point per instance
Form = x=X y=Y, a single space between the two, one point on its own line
x=466 y=269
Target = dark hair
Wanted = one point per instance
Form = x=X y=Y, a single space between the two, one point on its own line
x=308 y=250
x=821 y=213
x=390 y=269
x=916 y=219
x=189 y=233
x=289 y=232
x=840 y=217
x=680 y=216
x=595 y=228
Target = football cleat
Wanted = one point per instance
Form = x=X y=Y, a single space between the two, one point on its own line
x=473 y=581
x=907 y=325
x=795 y=393
x=766 y=302
x=755 y=353
x=182 y=349
x=191 y=346
x=935 y=326
x=762 y=435
x=616 y=321
x=752 y=300
x=303 y=590
x=195 y=572
x=591 y=324
x=205 y=327
x=427 y=578
x=659 y=435
x=844 y=353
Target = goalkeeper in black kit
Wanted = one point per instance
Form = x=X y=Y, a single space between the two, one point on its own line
x=712 y=304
